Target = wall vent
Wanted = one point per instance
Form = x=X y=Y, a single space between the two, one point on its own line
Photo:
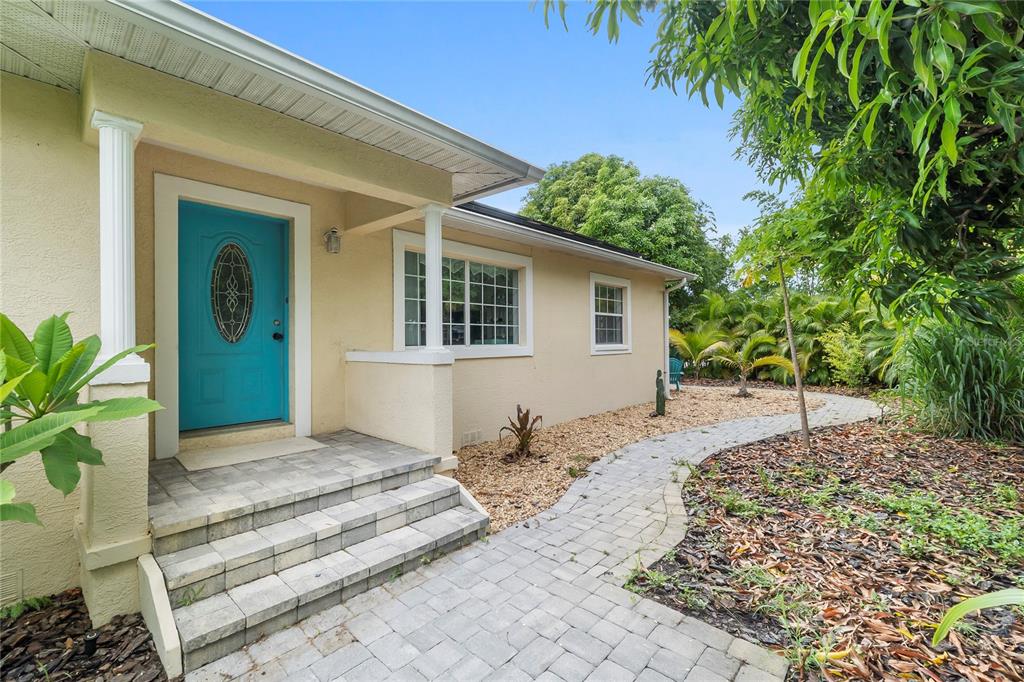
x=471 y=437
x=11 y=587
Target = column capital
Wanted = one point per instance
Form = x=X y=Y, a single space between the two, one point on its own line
x=434 y=209
x=101 y=119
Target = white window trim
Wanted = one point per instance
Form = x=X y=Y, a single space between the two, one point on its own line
x=627 y=315
x=406 y=241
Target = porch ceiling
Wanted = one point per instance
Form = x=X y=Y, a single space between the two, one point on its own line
x=47 y=41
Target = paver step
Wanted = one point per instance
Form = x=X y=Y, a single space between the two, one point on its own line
x=213 y=627
x=233 y=506
x=202 y=571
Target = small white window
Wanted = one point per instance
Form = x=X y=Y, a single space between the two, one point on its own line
x=610 y=329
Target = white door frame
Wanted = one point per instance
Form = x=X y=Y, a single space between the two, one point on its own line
x=168 y=191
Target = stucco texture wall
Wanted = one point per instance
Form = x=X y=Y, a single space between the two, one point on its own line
x=49 y=262
x=563 y=380
x=351 y=291
x=417 y=411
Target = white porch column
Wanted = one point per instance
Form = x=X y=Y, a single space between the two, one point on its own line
x=117 y=246
x=432 y=218
x=113 y=527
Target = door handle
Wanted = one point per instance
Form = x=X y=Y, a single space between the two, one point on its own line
x=277 y=336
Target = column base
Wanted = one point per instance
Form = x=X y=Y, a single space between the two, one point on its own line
x=113 y=530
x=111 y=591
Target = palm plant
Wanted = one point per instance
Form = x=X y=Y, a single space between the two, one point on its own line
x=700 y=345
x=746 y=360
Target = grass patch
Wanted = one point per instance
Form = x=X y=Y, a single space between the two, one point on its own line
x=18 y=608
x=737 y=504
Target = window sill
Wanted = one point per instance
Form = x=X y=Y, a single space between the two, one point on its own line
x=413 y=356
x=610 y=350
x=481 y=352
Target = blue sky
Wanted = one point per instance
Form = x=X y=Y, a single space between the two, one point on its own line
x=492 y=70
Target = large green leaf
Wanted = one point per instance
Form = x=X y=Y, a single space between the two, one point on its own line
x=73 y=367
x=8 y=386
x=20 y=511
x=15 y=366
x=11 y=511
x=61 y=466
x=123 y=408
x=33 y=385
x=107 y=364
x=13 y=341
x=6 y=491
x=37 y=434
x=81 y=446
x=1007 y=597
x=52 y=340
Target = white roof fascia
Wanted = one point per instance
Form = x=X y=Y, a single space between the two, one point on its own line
x=253 y=52
x=494 y=227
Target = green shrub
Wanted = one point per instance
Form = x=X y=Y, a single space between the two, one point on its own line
x=966 y=383
x=844 y=355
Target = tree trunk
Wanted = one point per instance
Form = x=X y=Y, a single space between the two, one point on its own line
x=743 y=393
x=796 y=362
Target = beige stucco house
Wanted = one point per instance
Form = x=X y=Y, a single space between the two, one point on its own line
x=308 y=255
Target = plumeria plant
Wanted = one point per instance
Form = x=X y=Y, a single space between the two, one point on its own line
x=40 y=383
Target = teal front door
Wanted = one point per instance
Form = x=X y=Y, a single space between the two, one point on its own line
x=232 y=317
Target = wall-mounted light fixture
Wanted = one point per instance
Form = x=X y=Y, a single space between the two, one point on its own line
x=332 y=240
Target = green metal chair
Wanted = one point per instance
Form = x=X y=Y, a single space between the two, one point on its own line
x=675 y=371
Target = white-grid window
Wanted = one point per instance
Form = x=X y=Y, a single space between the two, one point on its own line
x=485 y=298
x=453 y=296
x=610 y=330
x=609 y=314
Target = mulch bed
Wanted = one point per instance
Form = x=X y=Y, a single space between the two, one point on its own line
x=514 y=491
x=846 y=558
x=855 y=391
x=49 y=644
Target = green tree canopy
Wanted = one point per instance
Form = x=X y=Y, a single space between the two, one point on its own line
x=900 y=121
x=607 y=198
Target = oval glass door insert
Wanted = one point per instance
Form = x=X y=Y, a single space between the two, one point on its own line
x=231 y=292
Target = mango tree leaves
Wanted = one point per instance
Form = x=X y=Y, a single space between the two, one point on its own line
x=886 y=108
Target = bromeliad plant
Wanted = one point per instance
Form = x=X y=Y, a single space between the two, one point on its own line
x=523 y=430
x=746 y=361
x=40 y=382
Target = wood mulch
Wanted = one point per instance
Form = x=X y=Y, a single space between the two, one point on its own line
x=49 y=644
x=513 y=492
x=846 y=558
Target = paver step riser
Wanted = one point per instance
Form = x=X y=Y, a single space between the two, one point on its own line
x=203 y=571
x=254 y=610
x=191 y=532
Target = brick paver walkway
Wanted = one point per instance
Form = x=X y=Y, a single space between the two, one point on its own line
x=543 y=600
